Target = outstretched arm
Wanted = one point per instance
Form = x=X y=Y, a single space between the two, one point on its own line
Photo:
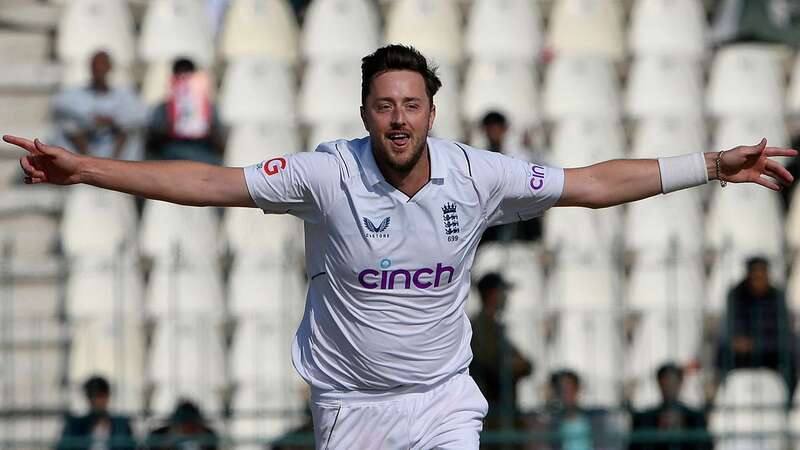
x=183 y=182
x=620 y=181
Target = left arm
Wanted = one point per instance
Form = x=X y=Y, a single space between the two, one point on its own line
x=615 y=182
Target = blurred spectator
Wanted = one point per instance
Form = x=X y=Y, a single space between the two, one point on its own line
x=794 y=169
x=299 y=438
x=187 y=126
x=186 y=429
x=671 y=415
x=495 y=128
x=99 y=119
x=575 y=427
x=497 y=366
x=757 y=329
x=98 y=429
x=769 y=21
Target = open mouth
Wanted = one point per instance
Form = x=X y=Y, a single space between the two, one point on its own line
x=399 y=139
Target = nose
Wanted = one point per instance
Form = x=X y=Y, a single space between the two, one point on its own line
x=398 y=118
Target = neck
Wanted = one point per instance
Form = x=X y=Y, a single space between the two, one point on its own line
x=100 y=86
x=410 y=182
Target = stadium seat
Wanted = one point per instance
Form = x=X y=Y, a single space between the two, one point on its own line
x=661 y=86
x=340 y=30
x=507 y=87
x=449 y=121
x=436 y=32
x=25 y=14
x=32 y=297
x=578 y=234
x=29 y=236
x=183 y=288
x=165 y=397
x=30 y=376
x=590 y=343
x=746 y=79
x=581 y=87
x=662 y=228
x=284 y=298
x=32 y=428
x=673 y=333
x=508 y=29
x=668 y=136
x=668 y=27
x=331 y=91
x=253 y=236
x=793 y=92
x=113 y=347
x=581 y=286
x=111 y=26
x=749 y=129
x=583 y=28
x=581 y=142
x=187 y=357
x=261 y=350
x=176 y=28
x=750 y=401
x=252 y=430
x=325 y=132
x=24 y=46
x=163 y=231
x=256 y=90
x=97 y=223
x=260 y=28
x=104 y=288
x=667 y=286
x=251 y=143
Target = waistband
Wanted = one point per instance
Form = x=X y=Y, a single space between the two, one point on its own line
x=370 y=396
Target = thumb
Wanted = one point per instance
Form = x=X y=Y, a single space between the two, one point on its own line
x=758 y=148
x=44 y=148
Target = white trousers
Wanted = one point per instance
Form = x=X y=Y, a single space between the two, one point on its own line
x=449 y=416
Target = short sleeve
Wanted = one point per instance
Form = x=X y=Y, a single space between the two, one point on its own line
x=516 y=190
x=301 y=184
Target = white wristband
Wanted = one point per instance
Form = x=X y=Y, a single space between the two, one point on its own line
x=681 y=172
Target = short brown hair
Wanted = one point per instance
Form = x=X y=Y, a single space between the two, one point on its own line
x=398 y=57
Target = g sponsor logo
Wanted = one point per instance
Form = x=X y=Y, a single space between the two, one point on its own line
x=421 y=278
x=274 y=165
x=537 y=177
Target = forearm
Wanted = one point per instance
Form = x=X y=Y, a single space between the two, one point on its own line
x=183 y=182
x=621 y=181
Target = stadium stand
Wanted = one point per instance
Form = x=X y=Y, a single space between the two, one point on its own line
x=92 y=282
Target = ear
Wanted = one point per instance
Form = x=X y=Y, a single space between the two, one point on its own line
x=431 y=119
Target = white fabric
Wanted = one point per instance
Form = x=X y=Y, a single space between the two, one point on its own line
x=681 y=172
x=389 y=275
x=447 y=417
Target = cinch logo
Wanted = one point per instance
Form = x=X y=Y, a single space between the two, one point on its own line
x=537 y=181
x=274 y=165
x=422 y=278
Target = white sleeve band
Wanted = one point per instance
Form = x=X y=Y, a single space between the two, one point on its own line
x=681 y=172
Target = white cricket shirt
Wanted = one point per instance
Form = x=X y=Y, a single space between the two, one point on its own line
x=389 y=275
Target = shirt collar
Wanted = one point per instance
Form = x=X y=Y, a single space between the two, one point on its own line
x=374 y=175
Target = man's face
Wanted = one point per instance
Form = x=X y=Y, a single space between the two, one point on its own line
x=568 y=392
x=101 y=66
x=758 y=280
x=670 y=385
x=495 y=134
x=98 y=402
x=398 y=115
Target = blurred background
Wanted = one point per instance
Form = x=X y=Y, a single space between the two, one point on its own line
x=664 y=324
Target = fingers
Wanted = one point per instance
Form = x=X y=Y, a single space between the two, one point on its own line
x=767 y=183
x=29 y=168
x=756 y=149
x=777 y=171
x=26 y=144
x=775 y=151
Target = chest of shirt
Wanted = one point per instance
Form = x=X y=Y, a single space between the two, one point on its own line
x=421 y=240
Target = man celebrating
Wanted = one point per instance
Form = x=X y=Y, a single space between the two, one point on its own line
x=392 y=224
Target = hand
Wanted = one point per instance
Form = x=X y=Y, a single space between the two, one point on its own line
x=47 y=163
x=751 y=164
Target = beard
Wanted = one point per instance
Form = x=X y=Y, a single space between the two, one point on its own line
x=386 y=156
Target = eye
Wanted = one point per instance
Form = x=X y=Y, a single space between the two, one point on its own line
x=383 y=107
x=413 y=106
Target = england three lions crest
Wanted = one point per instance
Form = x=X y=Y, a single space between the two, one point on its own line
x=450 y=218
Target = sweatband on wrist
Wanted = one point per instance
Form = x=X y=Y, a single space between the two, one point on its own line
x=681 y=172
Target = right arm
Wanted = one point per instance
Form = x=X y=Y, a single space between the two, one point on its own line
x=182 y=182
